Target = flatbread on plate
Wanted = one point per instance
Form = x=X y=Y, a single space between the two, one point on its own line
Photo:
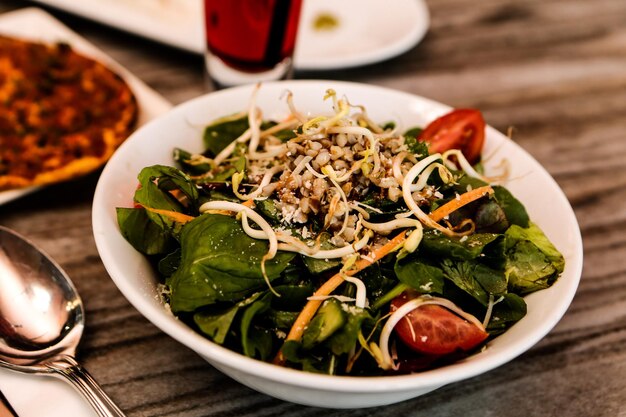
x=62 y=114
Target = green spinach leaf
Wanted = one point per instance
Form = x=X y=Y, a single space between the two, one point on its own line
x=533 y=263
x=420 y=276
x=345 y=339
x=317 y=266
x=216 y=324
x=505 y=313
x=142 y=233
x=156 y=183
x=329 y=318
x=416 y=147
x=220 y=262
x=440 y=246
x=183 y=158
x=462 y=275
x=170 y=263
x=490 y=217
x=295 y=354
x=292 y=297
x=256 y=343
x=282 y=320
x=237 y=164
x=222 y=132
x=514 y=210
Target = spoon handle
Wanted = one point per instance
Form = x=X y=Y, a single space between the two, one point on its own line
x=69 y=369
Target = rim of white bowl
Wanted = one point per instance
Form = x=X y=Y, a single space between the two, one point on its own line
x=478 y=363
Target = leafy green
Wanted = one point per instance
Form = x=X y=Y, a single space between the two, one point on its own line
x=505 y=313
x=216 y=324
x=420 y=276
x=465 y=183
x=329 y=318
x=142 y=233
x=389 y=125
x=268 y=209
x=182 y=157
x=156 y=183
x=462 y=275
x=216 y=321
x=533 y=263
x=281 y=319
x=514 y=210
x=476 y=279
x=223 y=195
x=317 y=266
x=292 y=297
x=440 y=246
x=491 y=218
x=256 y=342
x=378 y=278
x=220 y=262
x=528 y=269
x=170 y=263
x=494 y=282
x=237 y=164
x=416 y=147
x=345 y=339
x=220 y=134
x=295 y=354
x=535 y=235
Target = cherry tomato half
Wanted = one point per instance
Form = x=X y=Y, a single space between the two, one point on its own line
x=435 y=330
x=462 y=129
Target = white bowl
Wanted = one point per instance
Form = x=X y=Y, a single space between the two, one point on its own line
x=182 y=127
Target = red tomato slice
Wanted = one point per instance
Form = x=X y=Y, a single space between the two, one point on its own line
x=435 y=330
x=462 y=129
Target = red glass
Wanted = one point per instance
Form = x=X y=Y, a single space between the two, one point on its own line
x=252 y=35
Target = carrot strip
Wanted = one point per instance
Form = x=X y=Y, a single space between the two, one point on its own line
x=174 y=215
x=459 y=202
x=311 y=307
x=183 y=218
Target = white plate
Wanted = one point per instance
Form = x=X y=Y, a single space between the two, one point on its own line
x=182 y=127
x=36 y=25
x=368 y=31
x=55 y=398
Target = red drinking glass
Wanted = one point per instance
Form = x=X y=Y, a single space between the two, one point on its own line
x=250 y=40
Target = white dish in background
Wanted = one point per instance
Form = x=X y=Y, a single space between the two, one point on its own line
x=368 y=31
x=37 y=25
x=55 y=398
x=132 y=273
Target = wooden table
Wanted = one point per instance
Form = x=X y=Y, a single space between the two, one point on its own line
x=555 y=70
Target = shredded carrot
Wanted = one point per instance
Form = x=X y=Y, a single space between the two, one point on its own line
x=183 y=218
x=459 y=202
x=174 y=215
x=311 y=307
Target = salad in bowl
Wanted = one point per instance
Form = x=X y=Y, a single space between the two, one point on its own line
x=390 y=254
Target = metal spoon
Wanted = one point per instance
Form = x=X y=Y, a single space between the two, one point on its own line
x=42 y=319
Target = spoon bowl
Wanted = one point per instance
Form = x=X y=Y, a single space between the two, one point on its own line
x=42 y=319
